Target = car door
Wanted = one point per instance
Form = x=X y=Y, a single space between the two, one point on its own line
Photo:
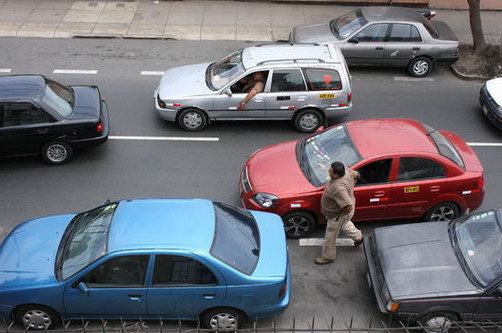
x=404 y=43
x=227 y=103
x=418 y=182
x=182 y=286
x=325 y=88
x=24 y=127
x=366 y=47
x=373 y=191
x=489 y=306
x=115 y=288
x=288 y=92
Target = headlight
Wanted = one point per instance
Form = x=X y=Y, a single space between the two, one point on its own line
x=392 y=306
x=265 y=200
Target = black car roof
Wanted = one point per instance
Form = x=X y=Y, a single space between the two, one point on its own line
x=21 y=87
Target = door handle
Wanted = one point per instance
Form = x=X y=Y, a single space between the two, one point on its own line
x=416 y=48
x=379 y=48
x=379 y=194
x=209 y=295
x=43 y=130
x=135 y=297
x=435 y=188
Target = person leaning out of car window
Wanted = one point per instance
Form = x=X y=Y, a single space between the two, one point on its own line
x=254 y=85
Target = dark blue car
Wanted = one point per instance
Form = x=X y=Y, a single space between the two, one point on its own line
x=188 y=259
x=41 y=116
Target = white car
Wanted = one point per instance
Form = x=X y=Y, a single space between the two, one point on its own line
x=490 y=98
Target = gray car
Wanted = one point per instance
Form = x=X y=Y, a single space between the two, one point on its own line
x=438 y=272
x=307 y=84
x=385 y=36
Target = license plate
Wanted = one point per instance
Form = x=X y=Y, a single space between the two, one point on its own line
x=322 y=96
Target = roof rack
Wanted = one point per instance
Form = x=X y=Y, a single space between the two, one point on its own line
x=296 y=60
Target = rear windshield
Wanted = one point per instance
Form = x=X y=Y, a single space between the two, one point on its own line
x=445 y=147
x=237 y=238
x=59 y=98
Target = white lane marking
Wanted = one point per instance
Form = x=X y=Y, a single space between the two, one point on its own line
x=160 y=73
x=163 y=138
x=5 y=70
x=413 y=79
x=320 y=241
x=485 y=144
x=75 y=71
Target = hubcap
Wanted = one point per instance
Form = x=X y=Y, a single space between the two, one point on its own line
x=309 y=121
x=36 y=319
x=192 y=120
x=421 y=67
x=224 y=321
x=443 y=214
x=438 y=325
x=57 y=153
x=296 y=226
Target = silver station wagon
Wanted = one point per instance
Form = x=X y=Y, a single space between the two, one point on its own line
x=386 y=36
x=307 y=84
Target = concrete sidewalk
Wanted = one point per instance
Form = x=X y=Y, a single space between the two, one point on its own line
x=191 y=20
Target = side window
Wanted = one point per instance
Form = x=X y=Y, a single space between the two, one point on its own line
x=404 y=33
x=256 y=80
x=287 y=80
x=419 y=168
x=118 y=272
x=16 y=114
x=177 y=270
x=323 y=79
x=373 y=33
x=375 y=172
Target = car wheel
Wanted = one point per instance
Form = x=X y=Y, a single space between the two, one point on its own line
x=445 y=211
x=420 y=67
x=56 y=152
x=37 y=317
x=308 y=121
x=439 y=322
x=223 y=319
x=298 y=224
x=192 y=120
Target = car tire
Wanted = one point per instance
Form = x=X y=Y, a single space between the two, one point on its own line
x=308 y=121
x=420 y=67
x=37 y=317
x=298 y=224
x=192 y=120
x=223 y=319
x=56 y=152
x=438 y=321
x=445 y=211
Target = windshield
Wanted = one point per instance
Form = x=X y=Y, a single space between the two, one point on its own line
x=227 y=69
x=445 y=147
x=237 y=238
x=479 y=242
x=59 y=98
x=84 y=241
x=316 y=153
x=347 y=24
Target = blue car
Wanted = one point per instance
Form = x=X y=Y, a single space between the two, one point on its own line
x=188 y=259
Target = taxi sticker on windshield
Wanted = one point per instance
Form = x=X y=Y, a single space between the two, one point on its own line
x=323 y=96
x=411 y=189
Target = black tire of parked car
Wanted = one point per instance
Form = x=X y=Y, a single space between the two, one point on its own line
x=445 y=211
x=308 y=120
x=37 y=317
x=420 y=67
x=192 y=120
x=57 y=152
x=298 y=224
x=223 y=319
x=438 y=321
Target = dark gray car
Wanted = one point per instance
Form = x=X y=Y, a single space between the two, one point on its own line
x=438 y=272
x=385 y=36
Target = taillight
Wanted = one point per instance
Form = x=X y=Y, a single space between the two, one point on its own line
x=480 y=183
x=284 y=287
x=349 y=98
x=99 y=128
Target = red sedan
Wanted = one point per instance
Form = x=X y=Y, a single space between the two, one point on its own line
x=408 y=169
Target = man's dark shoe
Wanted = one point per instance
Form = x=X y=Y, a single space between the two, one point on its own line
x=358 y=242
x=323 y=261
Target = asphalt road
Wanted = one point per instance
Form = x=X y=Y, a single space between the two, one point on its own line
x=131 y=167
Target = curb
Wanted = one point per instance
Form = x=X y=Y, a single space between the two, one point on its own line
x=467 y=77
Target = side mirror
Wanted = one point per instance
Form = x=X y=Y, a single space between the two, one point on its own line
x=354 y=40
x=228 y=92
x=82 y=287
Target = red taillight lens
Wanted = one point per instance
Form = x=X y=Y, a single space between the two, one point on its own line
x=99 y=128
x=284 y=287
x=480 y=183
x=349 y=98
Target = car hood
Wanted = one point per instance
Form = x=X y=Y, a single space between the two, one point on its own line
x=87 y=103
x=184 y=81
x=417 y=260
x=27 y=255
x=274 y=169
x=494 y=88
x=313 y=33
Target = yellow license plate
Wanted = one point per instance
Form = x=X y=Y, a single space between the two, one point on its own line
x=411 y=189
x=327 y=96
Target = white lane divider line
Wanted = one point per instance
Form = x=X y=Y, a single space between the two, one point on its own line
x=75 y=71
x=5 y=70
x=413 y=79
x=320 y=241
x=164 y=138
x=154 y=73
x=485 y=144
